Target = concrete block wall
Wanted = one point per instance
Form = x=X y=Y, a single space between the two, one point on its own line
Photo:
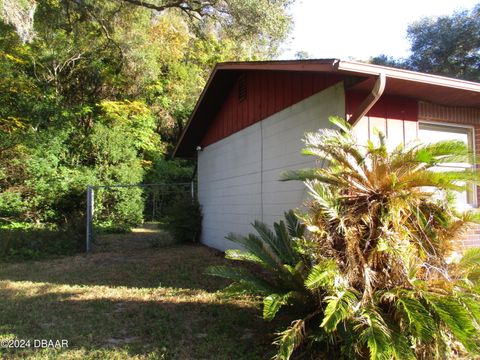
x=238 y=176
x=229 y=185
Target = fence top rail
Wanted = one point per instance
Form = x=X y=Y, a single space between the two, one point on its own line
x=135 y=185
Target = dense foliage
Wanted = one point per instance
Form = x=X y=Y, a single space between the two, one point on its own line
x=375 y=276
x=184 y=219
x=97 y=93
x=446 y=45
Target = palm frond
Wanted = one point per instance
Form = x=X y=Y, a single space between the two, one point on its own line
x=290 y=339
x=295 y=227
x=436 y=180
x=341 y=123
x=420 y=322
x=243 y=276
x=401 y=347
x=307 y=174
x=256 y=246
x=472 y=304
x=470 y=258
x=375 y=334
x=275 y=244
x=339 y=307
x=272 y=303
x=445 y=151
x=284 y=244
x=322 y=275
x=469 y=267
x=457 y=319
x=240 y=255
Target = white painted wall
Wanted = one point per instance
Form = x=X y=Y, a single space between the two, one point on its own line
x=238 y=177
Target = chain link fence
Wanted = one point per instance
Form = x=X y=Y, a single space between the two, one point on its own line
x=108 y=209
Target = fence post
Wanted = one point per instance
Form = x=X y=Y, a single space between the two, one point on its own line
x=192 y=188
x=90 y=197
x=154 y=203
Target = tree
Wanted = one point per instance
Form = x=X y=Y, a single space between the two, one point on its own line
x=303 y=55
x=160 y=52
x=446 y=45
x=97 y=92
x=19 y=13
x=373 y=278
x=260 y=21
x=386 y=60
x=262 y=24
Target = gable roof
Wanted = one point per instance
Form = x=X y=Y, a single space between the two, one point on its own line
x=358 y=77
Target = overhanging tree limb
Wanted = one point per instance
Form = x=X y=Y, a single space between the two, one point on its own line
x=189 y=7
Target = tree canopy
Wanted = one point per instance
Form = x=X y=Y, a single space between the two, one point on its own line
x=446 y=45
x=97 y=92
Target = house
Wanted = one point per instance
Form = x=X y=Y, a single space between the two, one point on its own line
x=247 y=126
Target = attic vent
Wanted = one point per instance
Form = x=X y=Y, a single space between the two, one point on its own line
x=242 y=88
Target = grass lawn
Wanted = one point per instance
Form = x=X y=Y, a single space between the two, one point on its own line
x=130 y=299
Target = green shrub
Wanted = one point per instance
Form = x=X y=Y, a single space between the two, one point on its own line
x=376 y=279
x=184 y=219
x=11 y=204
x=21 y=241
x=118 y=209
x=165 y=171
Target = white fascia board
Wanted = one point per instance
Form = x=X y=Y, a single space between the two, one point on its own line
x=407 y=75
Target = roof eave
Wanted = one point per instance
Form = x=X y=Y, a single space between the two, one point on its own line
x=407 y=75
x=347 y=68
x=197 y=105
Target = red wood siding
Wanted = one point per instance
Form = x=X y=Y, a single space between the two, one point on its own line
x=267 y=94
x=395 y=116
x=388 y=107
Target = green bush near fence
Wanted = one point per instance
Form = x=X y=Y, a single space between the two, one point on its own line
x=184 y=219
x=23 y=241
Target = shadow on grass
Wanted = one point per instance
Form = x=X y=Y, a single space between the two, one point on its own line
x=153 y=303
x=105 y=327
x=179 y=266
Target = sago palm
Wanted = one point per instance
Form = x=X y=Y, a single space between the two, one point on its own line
x=384 y=224
x=281 y=267
x=377 y=258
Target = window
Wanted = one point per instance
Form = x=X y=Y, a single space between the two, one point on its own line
x=432 y=132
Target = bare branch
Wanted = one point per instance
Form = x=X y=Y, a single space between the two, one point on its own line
x=195 y=9
x=160 y=8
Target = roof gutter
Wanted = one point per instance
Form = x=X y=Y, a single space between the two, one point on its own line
x=371 y=99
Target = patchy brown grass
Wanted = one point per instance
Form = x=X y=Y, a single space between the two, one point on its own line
x=132 y=299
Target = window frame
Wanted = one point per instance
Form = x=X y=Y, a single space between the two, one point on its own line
x=472 y=198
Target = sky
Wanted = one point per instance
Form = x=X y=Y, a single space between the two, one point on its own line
x=358 y=30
